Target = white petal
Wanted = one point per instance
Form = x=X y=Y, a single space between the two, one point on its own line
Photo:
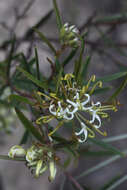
x=50 y=109
x=72 y=103
x=80 y=132
x=99 y=120
x=93 y=115
x=87 y=100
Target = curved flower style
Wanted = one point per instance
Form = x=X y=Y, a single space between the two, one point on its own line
x=95 y=116
x=84 y=131
x=72 y=100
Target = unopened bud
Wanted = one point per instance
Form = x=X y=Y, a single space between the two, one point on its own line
x=16 y=151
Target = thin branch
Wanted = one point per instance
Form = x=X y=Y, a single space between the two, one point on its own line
x=73 y=181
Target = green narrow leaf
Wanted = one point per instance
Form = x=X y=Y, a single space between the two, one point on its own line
x=119 y=89
x=25 y=63
x=69 y=57
x=32 y=78
x=116 y=138
x=39 y=24
x=10 y=58
x=117 y=183
x=112 y=77
x=28 y=125
x=79 y=63
x=106 y=146
x=96 y=153
x=44 y=39
x=37 y=64
x=111 y=182
x=100 y=165
x=20 y=99
x=24 y=137
x=58 y=18
x=101 y=90
x=112 y=18
x=84 y=68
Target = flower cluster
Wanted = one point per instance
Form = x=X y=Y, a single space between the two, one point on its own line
x=75 y=101
x=39 y=158
x=69 y=35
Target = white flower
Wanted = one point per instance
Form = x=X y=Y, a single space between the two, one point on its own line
x=82 y=131
x=79 y=105
x=95 y=116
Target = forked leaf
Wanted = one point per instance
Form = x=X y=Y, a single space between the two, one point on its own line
x=28 y=125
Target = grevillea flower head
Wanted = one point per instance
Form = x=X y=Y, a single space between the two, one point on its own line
x=38 y=158
x=69 y=35
x=74 y=101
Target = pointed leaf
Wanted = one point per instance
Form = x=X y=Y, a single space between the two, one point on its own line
x=28 y=125
x=32 y=78
x=58 y=18
x=20 y=99
x=44 y=39
x=112 y=77
x=106 y=146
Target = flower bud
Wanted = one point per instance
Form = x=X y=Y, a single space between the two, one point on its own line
x=16 y=151
x=31 y=154
x=38 y=168
x=69 y=35
x=53 y=170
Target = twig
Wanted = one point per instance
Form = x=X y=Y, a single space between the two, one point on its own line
x=76 y=184
x=20 y=93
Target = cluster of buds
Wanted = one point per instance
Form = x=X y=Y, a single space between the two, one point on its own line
x=75 y=102
x=69 y=35
x=38 y=159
